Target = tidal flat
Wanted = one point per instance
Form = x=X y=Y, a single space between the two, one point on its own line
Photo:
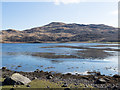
x=64 y=57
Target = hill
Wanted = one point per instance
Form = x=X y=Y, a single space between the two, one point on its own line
x=62 y=32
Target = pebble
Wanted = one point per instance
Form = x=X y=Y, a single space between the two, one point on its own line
x=67 y=89
x=75 y=84
x=49 y=76
x=65 y=85
x=48 y=87
x=34 y=78
x=4 y=68
x=12 y=89
x=28 y=86
x=116 y=76
x=37 y=70
x=100 y=81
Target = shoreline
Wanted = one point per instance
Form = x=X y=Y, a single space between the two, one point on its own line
x=86 y=80
x=65 y=42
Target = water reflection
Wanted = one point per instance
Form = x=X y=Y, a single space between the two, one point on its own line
x=64 y=57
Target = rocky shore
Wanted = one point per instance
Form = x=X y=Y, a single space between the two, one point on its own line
x=93 y=80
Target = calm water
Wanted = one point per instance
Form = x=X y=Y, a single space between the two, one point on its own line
x=106 y=66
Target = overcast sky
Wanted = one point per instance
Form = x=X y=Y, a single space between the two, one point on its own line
x=25 y=15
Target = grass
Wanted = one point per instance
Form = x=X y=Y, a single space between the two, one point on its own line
x=43 y=84
x=106 y=42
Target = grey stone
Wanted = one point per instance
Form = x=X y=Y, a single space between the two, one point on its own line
x=49 y=76
x=100 y=81
x=17 y=79
x=67 y=89
x=116 y=76
x=34 y=78
x=37 y=70
x=65 y=85
x=4 y=68
x=28 y=86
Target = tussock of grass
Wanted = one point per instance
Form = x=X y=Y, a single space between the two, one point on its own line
x=44 y=84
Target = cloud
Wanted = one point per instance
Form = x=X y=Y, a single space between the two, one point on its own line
x=58 y=2
x=114 y=12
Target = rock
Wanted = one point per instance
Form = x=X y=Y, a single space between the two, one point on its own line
x=41 y=71
x=8 y=81
x=116 y=76
x=48 y=87
x=5 y=76
x=95 y=77
x=75 y=84
x=16 y=79
x=34 y=78
x=107 y=79
x=67 y=89
x=49 y=77
x=68 y=74
x=94 y=73
x=37 y=70
x=15 y=71
x=100 y=81
x=65 y=85
x=95 y=86
x=14 y=85
x=87 y=78
x=12 y=89
x=114 y=88
x=4 y=68
x=108 y=87
x=28 y=86
x=85 y=86
x=19 y=66
x=97 y=73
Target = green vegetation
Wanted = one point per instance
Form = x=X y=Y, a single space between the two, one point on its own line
x=103 y=42
x=109 y=42
x=44 y=84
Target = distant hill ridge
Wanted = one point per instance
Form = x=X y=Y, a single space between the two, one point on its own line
x=62 y=32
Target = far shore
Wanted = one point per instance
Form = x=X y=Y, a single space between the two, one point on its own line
x=64 y=42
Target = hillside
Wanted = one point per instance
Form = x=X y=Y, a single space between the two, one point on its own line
x=61 y=32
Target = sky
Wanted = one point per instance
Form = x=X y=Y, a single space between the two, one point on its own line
x=26 y=15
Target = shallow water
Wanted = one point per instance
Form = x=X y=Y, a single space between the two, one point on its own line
x=107 y=66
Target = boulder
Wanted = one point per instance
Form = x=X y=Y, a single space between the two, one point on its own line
x=95 y=77
x=67 y=89
x=37 y=71
x=4 y=68
x=97 y=73
x=34 y=78
x=65 y=85
x=100 y=81
x=68 y=74
x=49 y=77
x=94 y=73
x=87 y=78
x=116 y=76
x=28 y=86
x=16 y=79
